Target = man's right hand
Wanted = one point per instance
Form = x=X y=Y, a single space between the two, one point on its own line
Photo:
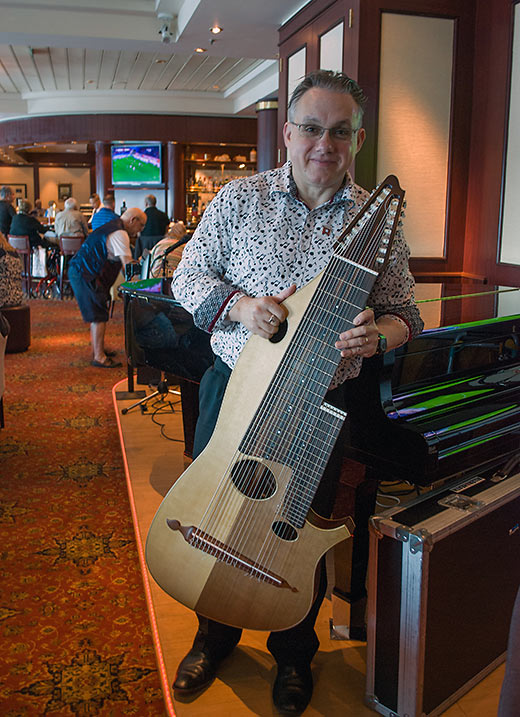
x=261 y=315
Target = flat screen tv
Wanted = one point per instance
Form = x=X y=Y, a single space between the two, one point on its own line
x=137 y=165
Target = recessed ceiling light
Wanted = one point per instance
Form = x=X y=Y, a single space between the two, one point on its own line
x=90 y=82
x=200 y=49
x=215 y=29
x=160 y=62
x=216 y=87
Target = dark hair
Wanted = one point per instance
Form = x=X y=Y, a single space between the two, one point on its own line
x=327 y=80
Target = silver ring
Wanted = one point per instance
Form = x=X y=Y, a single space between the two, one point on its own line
x=271 y=319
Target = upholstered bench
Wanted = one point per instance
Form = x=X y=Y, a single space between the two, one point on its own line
x=19 y=318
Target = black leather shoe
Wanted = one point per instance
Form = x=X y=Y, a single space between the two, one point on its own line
x=196 y=671
x=292 y=689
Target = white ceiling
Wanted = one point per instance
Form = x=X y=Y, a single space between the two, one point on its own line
x=109 y=56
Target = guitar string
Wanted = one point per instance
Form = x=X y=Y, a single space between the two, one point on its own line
x=302 y=466
x=317 y=419
x=296 y=485
x=238 y=481
x=343 y=324
x=326 y=452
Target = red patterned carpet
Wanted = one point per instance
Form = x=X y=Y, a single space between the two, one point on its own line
x=75 y=633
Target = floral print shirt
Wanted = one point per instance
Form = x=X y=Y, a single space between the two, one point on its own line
x=257 y=237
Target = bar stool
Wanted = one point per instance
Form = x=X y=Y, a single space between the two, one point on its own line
x=69 y=245
x=23 y=247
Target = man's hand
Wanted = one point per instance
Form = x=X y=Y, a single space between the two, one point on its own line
x=261 y=315
x=361 y=340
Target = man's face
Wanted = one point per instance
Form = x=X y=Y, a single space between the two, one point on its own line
x=321 y=163
x=135 y=225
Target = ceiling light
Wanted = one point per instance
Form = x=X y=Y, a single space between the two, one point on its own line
x=159 y=62
x=200 y=49
x=215 y=29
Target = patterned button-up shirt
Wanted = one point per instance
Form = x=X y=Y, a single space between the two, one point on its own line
x=257 y=237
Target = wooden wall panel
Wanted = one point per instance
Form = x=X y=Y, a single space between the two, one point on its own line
x=107 y=128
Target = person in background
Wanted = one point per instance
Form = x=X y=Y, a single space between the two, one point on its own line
x=7 y=210
x=50 y=212
x=70 y=220
x=24 y=224
x=95 y=202
x=105 y=213
x=156 y=227
x=94 y=269
x=158 y=221
x=10 y=275
x=161 y=265
x=38 y=211
x=260 y=239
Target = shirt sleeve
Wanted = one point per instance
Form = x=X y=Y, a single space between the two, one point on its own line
x=197 y=282
x=118 y=246
x=393 y=293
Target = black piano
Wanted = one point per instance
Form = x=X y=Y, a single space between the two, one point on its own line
x=448 y=402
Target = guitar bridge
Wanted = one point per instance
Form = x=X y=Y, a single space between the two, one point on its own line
x=226 y=554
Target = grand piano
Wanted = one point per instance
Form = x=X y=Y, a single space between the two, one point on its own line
x=448 y=402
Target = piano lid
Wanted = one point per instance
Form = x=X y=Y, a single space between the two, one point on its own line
x=442 y=305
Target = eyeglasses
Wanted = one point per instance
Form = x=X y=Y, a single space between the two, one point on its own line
x=315 y=131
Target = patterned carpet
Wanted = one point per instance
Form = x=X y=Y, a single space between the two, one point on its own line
x=75 y=633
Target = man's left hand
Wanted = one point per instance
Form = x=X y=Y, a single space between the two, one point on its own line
x=362 y=339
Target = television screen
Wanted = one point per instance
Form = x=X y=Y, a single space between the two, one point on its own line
x=136 y=164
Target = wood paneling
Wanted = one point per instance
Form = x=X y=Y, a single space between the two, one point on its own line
x=106 y=128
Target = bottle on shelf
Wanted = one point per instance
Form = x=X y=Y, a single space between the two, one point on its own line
x=252 y=155
x=123 y=207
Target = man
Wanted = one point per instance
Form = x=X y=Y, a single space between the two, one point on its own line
x=23 y=224
x=158 y=221
x=156 y=227
x=94 y=269
x=70 y=220
x=260 y=239
x=105 y=213
x=7 y=211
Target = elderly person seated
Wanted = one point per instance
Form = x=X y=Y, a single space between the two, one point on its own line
x=23 y=224
x=10 y=275
x=164 y=259
x=70 y=220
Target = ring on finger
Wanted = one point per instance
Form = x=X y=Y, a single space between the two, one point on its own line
x=271 y=320
x=366 y=339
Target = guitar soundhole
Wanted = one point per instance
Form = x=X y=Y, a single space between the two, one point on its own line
x=284 y=530
x=253 y=479
x=278 y=336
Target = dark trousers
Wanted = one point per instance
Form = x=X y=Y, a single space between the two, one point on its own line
x=299 y=643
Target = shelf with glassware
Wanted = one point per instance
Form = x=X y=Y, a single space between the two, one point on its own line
x=207 y=172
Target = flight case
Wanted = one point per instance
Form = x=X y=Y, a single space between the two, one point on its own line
x=443 y=575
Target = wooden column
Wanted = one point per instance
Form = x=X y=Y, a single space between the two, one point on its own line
x=267 y=120
x=36 y=180
x=175 y=206
x=103 y=169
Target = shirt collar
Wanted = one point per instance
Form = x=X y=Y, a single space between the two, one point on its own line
x=283 y=182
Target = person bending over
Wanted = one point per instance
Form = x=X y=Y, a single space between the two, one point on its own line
x=94 y=269
x=260 y=239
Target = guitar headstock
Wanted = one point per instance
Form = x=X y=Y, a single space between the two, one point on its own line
x=368 y=238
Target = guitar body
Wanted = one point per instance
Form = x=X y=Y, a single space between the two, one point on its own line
x=212 y=587
x=232 y=539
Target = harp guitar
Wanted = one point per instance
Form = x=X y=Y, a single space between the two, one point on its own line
x=235 y=538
